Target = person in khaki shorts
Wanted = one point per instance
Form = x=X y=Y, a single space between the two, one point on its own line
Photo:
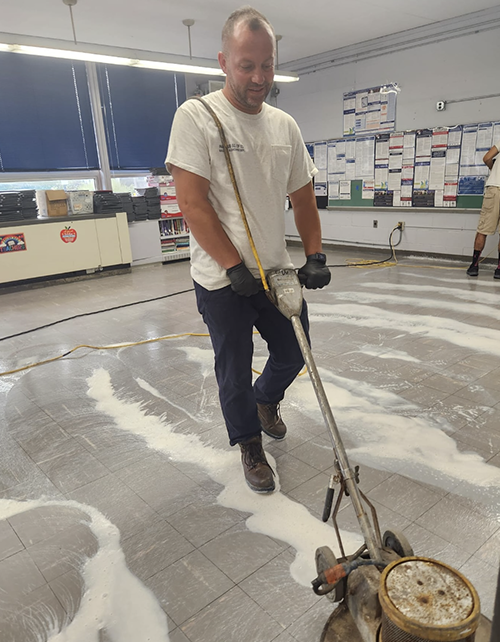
x=490 y=211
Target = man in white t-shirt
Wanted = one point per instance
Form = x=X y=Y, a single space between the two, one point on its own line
x=490 y=211
x=270 y=160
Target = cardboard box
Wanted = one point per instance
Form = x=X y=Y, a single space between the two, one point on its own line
x=57 y=202
x=80 y=202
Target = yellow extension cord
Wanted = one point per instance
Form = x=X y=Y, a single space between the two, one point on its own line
x=116 y=346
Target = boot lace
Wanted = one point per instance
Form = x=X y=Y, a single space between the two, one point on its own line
x=253 y=454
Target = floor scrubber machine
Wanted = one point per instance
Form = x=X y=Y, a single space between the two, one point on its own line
x=385 y=593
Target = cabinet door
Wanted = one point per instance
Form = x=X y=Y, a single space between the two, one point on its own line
x=109 y=241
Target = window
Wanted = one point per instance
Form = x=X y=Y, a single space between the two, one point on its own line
x=139 y=106
x=129 y=183
x=67 y=184
x=45 y=115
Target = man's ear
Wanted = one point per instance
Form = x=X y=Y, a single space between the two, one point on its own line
x=222 y=61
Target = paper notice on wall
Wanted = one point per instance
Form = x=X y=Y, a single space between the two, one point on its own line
x=320 y=176
x=368 y=190
x=365 y=153
x=396 y=202
x=350 y=149
x=406 y=191
x=395 y=161
x=320 y=189
x=452 y=155
x=333 y=190
x=438 y=198
x=451 y=170
x=345 y=190
x=484 y=136
x=450 y=194
x=320 y=156
x=408 y=154
x=455 y=137
x=350 y=169
x=381 y=177
x=423 y=147
x=440 y=138
x=394 y=182
x=407 y=172
x=409 y=140
x=468 y=155
x=382 y=149
x=436 y=176
x=421 y=179
x=450 y=189
x=496 y=133
x=332 y=156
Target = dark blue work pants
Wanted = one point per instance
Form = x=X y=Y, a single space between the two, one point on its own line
x=231 y=319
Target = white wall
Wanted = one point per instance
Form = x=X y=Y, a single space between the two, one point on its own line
x=452 y=69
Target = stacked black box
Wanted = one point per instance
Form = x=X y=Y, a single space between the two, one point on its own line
x=152 y=196
x=140 y=208
x=127 y=205
x=17 y=206
x=107 y=203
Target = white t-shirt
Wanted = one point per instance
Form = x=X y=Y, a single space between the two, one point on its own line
x=270 y=161
x=494 y=177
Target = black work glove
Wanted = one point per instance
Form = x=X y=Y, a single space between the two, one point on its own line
x=315 y=274
x=242 y=280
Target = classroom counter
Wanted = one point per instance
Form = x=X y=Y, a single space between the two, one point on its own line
x=37 y=248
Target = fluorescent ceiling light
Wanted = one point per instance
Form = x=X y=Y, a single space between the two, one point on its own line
x=119 y=56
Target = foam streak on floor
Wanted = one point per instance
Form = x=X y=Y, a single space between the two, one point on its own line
x=123 y=512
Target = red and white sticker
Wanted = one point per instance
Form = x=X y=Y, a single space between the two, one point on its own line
x=68 y=235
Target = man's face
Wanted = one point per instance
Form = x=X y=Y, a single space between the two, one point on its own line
x=249 y=67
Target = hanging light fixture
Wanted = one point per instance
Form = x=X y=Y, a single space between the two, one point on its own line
x=15 y=43
x=188 y=22
x=71 y=4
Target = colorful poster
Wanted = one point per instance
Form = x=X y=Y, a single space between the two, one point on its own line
x=12 y=243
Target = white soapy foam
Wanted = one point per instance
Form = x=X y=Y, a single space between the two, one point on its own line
x=465 y=295
x=413 y=446
x=461 y=334
x=387 y=353
x=490 y=283
x=114 y=599
x=274 y=515
x=463 y=308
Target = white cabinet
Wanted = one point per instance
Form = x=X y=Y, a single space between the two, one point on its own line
x=47 y=247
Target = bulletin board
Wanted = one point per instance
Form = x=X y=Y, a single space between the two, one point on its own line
x=440 y=167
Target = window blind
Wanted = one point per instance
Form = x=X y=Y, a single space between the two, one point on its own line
x=45 y=115
x=138 y=106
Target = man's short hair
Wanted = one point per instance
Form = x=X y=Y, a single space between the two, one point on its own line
x=249 y=16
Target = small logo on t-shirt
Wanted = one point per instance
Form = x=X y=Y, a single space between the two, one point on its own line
x=233 y=147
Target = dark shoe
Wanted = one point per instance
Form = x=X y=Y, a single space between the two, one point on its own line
x=473 y=270
x=270 y=420
x=258 y=473
x=496 y=274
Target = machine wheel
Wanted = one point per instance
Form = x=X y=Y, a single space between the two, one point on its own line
x=397 y=542
x=325 y=558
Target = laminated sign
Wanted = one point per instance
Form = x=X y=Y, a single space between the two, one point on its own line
x=12 y=243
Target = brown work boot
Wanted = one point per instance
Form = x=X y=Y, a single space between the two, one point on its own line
x=270 y=420
x=258 y=473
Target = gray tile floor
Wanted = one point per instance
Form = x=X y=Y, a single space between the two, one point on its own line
x=410 y=359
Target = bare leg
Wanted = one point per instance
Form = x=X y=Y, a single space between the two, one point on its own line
x=479 y=242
